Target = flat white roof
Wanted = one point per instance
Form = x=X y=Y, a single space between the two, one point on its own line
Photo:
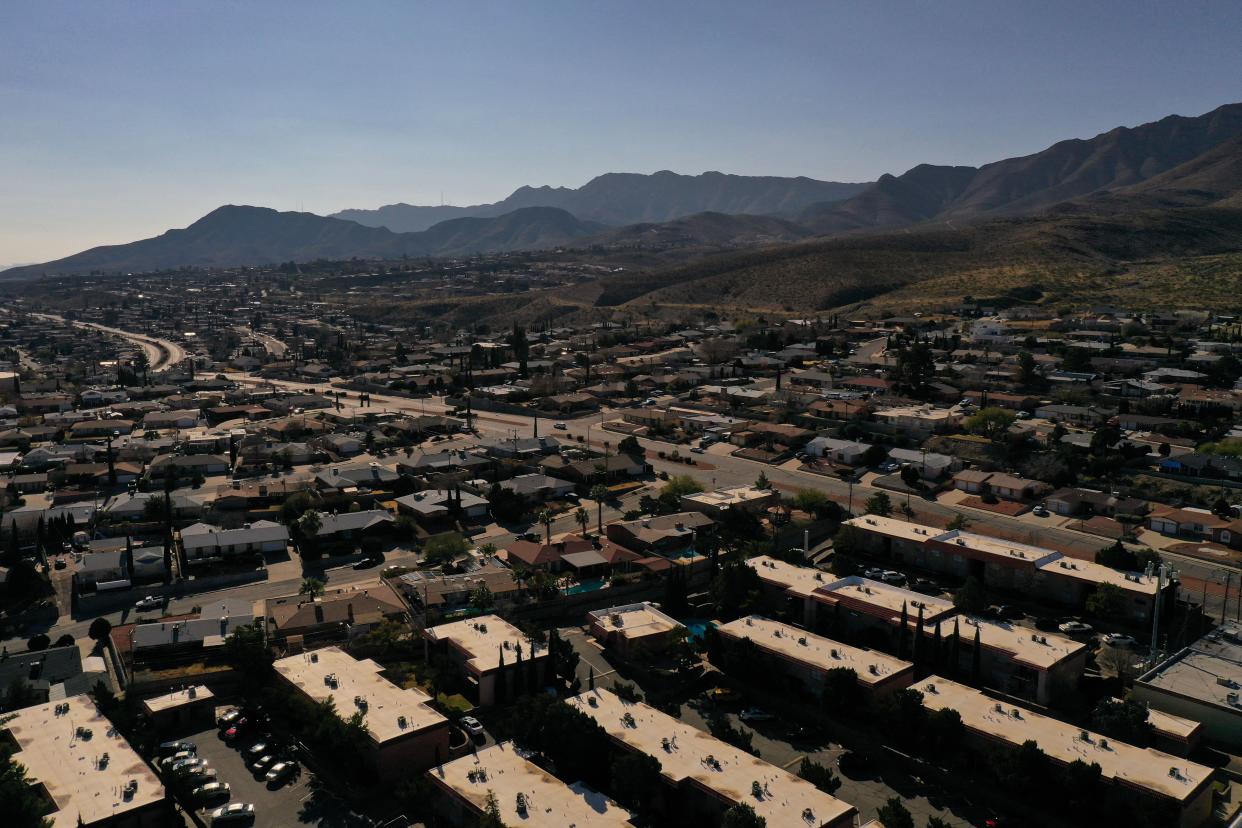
x=728 y=497
x=1040 y=650
x=69 y=765
x=502 y=771
x=633 y=621
x=885 y=599
x=871 y=666
x=799 y=580
x=178 y=698
x=1146 y=768
x=483 y=639
x=386 y=704
x=715 y=766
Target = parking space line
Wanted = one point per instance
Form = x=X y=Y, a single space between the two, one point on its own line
x=797 y=759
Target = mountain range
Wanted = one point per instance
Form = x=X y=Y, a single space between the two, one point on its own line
x=1175 y=163
x=630 y=198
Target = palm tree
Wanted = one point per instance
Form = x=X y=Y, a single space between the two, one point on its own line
x=583 y=518
x=545 y=517
x=599 y=493
x=311 y=587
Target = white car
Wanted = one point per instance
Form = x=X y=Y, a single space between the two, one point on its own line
x=892 y=577
x=696 y=450
x=472 y=725
x=559 y=426
x=237 y=812
x=1119 y=640
x=874 y=573
x=150 y=602
x=1074 y=628
x=280 y=771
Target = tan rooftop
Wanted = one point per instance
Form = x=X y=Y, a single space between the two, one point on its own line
x=687 y=753
x=872 y=667
x=178 y=698
x=482 y=640
x=58 y=754
x=880 y=598
x=330 y=673
x=894 y=528
x=1095 y=573
x=1147 y=768
x=502 y=771
x=1040 y=650
x=798 y=580
x=634 y=621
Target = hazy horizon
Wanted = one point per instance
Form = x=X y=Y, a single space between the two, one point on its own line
x=129 y=119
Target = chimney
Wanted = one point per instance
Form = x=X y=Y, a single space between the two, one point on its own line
x=349 y=610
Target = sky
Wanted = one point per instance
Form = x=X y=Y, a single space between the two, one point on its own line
x=119 y=120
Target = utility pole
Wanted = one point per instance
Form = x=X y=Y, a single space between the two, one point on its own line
x=1161 y=571
x=1224 y=610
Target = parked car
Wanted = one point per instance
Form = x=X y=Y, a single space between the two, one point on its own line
x=181 y=755
x=926 y=586
x=199 y=776
x=723 y=695
x=238 y=812
x=1075 y=628
x=1119 y=640
x=169 y=748
x=256 y=750
x=280 y=771
x=874 y=573
x=210 y=791
x=754 y=714
x=148 y=603
x=228 y=718
x=1047 y=624
x=263 y=763
x=893 y=577
x=696 y=450
x=1040 y=511
x=237 y=729
x=187 y=765
x=890 y=466
x=559 y=426
x=472 y=726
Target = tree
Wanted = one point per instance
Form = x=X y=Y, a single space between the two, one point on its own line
x=582 y=518
x=681 y=484
x=819 y=776
x=970 y=597
x=100 y=629
x=816 y=503
x=1123 y=720
x=635 y=776
x=312 y=587
x=65 y=640
x=893 y=814
x=1029 y=375
x=444 y=547
x=959 y=523
x=736 y=589
x=308 y=526
x=910 y=476
x=989 y=422
x=38 y=641
x=545 y=517
x=742 y=815
x=879 y=504
x=482 y=598
x=599 y=493
x=762 y=482
x=1107 y=601
x=21 y=805
x=630 y=445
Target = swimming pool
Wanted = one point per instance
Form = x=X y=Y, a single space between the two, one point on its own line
x=586 y=586
x=697 y=627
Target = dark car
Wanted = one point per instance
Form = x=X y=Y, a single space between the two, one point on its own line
x=1047 y=624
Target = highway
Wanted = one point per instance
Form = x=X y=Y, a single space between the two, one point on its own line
x=161 y=353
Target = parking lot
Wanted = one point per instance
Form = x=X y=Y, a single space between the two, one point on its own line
x=300 y=800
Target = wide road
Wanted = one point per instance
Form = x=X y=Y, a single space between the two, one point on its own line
x=161 y=353
x=270 y=343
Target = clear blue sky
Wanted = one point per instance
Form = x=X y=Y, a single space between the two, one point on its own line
x=119 y=120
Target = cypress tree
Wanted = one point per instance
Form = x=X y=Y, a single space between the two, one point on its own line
x=901 y=631
x=976 y=658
